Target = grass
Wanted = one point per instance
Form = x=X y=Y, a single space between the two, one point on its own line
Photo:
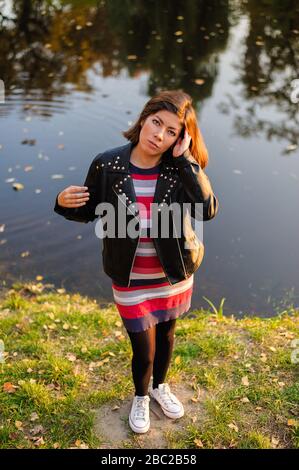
x=63 y=356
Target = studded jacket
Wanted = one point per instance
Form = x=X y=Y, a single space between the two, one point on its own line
x=181 y=180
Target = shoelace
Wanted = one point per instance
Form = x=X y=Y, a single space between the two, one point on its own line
x=140 y=408
x=166 y=395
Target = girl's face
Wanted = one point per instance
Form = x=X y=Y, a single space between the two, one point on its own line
x=161 y=128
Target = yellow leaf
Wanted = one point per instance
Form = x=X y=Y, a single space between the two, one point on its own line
x=19 y=425
x=198 y=443
x=233 y=426
x=292 y=422
x=177 y=360
x=245 y=380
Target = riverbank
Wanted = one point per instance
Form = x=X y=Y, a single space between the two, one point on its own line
x=66 y=377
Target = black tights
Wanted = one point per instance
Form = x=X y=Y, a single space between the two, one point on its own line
x=152 y=350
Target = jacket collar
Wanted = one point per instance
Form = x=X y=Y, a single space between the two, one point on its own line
x=123 y=154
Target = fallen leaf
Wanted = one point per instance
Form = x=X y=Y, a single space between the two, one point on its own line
x=57 y=176
x=274 y=440
x=25 y=253
x=34 y=416
x=198 y=443
x=37 y=429
x=39 y=441
x=177 y=360
x=71 y=357
x=8 y=387
x=245 y=380
x=18 y=186
x=233 y=426
x=292 y=422
x=245 y=400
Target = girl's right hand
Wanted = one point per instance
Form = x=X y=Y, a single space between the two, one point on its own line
x=73 y=196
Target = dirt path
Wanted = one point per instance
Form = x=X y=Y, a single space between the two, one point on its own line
x=112 y=425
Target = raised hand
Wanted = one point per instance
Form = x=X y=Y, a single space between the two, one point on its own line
x=181 y=144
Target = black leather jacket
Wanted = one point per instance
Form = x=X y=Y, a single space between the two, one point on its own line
x=181 y=180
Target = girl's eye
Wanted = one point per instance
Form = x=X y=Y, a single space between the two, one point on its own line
x=156 y=120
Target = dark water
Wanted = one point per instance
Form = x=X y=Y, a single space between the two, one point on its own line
x=77 y=73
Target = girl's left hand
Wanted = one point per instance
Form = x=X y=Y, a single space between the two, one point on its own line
x=181 y=144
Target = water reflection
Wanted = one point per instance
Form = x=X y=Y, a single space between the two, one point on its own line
x=55 y=45
x=76 y=75
x=269 y=66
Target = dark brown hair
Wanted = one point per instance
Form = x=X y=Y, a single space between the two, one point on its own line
x=179 y=103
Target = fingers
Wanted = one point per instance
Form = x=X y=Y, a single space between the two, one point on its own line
x=74 y=189
x=75 y=196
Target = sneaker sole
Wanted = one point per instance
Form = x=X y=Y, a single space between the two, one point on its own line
x=138 y=430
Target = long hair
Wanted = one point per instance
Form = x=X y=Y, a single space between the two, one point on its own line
x=179 y=103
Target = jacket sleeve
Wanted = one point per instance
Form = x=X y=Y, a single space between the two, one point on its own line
x=197 y=187
x=86 y=213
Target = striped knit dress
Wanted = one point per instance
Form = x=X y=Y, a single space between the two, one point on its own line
x=149 y=299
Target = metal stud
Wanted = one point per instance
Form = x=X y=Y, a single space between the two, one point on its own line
x=122 y=167
x=114 y=168
x=109 y=163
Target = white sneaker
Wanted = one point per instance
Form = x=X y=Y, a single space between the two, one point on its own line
x=139 y=415
x=170 y=405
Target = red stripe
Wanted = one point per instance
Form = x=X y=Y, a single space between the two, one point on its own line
x=137 y=176
x=129 y=289
x=147 y=262
x=142 y=309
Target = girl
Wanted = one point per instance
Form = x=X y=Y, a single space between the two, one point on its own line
x=152 y=276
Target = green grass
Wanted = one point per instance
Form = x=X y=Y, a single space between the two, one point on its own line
x=64 y=356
